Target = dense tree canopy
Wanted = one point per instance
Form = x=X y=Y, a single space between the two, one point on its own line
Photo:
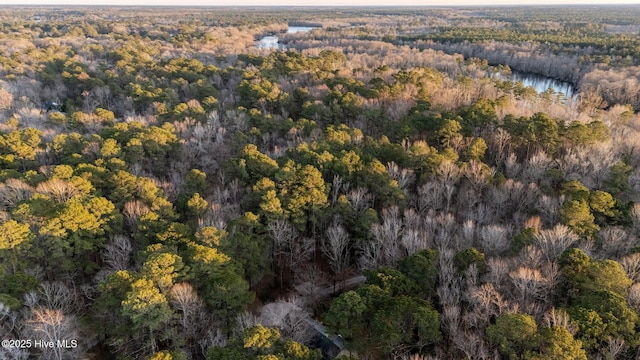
x=380 y=183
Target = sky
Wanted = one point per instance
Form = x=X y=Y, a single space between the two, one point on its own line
x=310 y=2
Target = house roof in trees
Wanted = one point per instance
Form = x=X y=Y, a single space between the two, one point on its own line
x=331 y=347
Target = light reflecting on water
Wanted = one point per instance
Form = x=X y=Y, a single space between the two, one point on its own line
x=271 y=41
x=542 y=83
x=297 y=29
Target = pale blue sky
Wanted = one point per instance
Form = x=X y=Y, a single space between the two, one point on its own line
x=310 y=2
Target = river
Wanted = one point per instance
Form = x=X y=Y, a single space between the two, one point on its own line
x=542 y=83
x=271 y=41
x=538 y=82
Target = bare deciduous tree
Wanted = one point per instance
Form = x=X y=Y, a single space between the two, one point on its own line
x=448 y=174
x=213 y=338
x=185 y=300
x=404 y=177
x=499 y=269
x=338 y=187
x=289 y=248
x=512 y=166
x=549 y=209
x=529 y=285
x=499 y=196
x=478 y=174
x=283 y=235
x=430 y=197
x=531 y=256
x=412 y=219
x=53 y=326
x=486 y=303
x=481 y=213
x=14 y=191
x=633 y=296
x=559 y=317
x=58 y=190
x=118 y=252
x=448 y=291
x=635 y=217
x=590 y=164
x=494 y=239
x=370 y=254
x=551 y=272
x=471 y=345
x=57 y=296
x=536 y=167
x=336 y=247
x=533 y=222
x=499 y=142
x=244 y=321
x=289 y=317
x=195 y=321
x=589 y=247
x=413 y=241
x=133 y=210
x=360 y=200
x=310 y=280
x=450 y=319
x=468 y=234
x=615 y=346
x=6 y=100
x=615 y=241
x=387 y=235
x=445 y=231
x=10 y=323
x=631 y=265
x=553 y=242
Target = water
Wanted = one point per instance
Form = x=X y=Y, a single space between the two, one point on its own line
x=297 y=29
x=543 y=83
x=271 y=41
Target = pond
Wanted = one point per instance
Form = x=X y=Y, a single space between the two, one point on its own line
x=271 y=41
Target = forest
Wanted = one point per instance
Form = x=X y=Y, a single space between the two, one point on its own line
x=376 y=186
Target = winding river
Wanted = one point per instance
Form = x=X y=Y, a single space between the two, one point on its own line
x=538 y=82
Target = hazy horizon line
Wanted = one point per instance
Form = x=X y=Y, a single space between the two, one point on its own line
x=321 y=6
